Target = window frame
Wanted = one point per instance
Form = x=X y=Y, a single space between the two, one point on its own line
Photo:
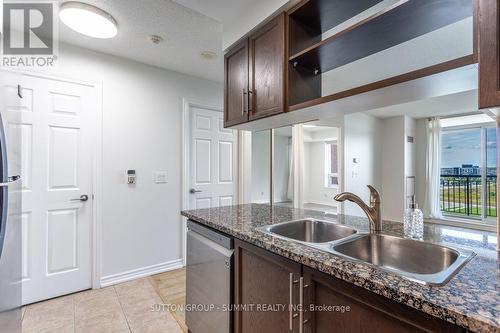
x=483 y=220
x=327 y=172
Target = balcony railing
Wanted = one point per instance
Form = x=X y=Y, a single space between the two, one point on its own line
x=465 y=196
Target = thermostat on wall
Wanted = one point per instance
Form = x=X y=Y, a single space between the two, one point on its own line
x=130 y=176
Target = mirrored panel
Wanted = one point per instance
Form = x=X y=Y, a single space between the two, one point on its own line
x=321 y=176
x=282 y=177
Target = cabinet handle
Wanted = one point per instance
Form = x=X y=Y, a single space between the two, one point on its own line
x=290 y=306
x=301 y=306
x=251 y=96
x=243 y=94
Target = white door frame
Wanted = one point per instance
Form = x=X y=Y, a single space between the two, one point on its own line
x=96 y=181
x=187 y=105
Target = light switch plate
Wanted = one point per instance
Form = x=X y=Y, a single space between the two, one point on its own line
x=160 y=177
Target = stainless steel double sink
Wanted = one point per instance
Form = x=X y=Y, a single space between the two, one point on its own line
x=419 y=261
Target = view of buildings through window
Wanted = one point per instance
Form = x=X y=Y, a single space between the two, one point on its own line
x=469 y=172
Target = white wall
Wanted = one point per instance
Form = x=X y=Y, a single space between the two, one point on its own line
x=362 y=135
x=261 y=167
x=281 y=175
x=410 y=158
x=420 y=158
x=321 y=133
x=393 y=168
x=141 y=116
x=314 y=175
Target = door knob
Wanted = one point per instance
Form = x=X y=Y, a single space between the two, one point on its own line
x=193 y=191
x=82 y=198
x=12 y=179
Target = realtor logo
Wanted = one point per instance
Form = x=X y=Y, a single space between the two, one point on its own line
x=29 y=37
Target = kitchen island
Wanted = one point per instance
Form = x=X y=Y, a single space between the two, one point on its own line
x=470 y=300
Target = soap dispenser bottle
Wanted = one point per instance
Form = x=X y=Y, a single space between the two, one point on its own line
x=413 y=221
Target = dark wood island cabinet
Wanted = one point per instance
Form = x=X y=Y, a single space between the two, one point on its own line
x=314 y=302
x=263 y=278
x=342 y=307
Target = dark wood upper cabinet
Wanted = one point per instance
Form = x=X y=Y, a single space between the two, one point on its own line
x=236 y=85
x=489 y=53
x=280 y=67
x=267 y=69
x=263 y=278
x=255 y=75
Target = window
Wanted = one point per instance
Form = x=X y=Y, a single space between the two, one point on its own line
x=331 y=164
x=468 y=182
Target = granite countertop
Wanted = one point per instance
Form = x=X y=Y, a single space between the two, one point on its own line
x=471 y=299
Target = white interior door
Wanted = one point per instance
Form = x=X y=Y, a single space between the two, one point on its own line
x=58 y=125
x=212 y=162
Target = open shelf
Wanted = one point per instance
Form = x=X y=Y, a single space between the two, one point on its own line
x=312 y=95
x=387 y=28
x=322 y=15
x=311 y=18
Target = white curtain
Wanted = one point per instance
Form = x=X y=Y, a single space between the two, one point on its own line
x=433 y=170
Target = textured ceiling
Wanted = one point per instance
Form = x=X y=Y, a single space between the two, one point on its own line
x=237 y=16
x=220 y=10
x=186 y=34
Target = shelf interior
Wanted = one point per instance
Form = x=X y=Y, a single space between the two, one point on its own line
x=323 y=15
x=398 y=25
x=315 y=17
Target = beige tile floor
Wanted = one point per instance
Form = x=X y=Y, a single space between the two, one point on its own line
x=171 y=286
x=123 y=308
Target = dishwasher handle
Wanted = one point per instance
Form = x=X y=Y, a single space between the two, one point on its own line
x=209 y=244
x=213 y=235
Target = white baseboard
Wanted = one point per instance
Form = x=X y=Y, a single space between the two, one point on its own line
x=140 y=272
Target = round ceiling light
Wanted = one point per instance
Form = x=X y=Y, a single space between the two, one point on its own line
x=88 y=20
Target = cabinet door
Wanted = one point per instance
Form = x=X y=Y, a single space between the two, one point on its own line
x=267 y=69
x=489 y=53
x=236 y=85
x=265 y=279
x=330 y=302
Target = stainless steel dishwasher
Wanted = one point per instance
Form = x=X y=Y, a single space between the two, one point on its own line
x=208 y=280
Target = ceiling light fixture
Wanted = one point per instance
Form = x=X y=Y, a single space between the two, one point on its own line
x=88 y=20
